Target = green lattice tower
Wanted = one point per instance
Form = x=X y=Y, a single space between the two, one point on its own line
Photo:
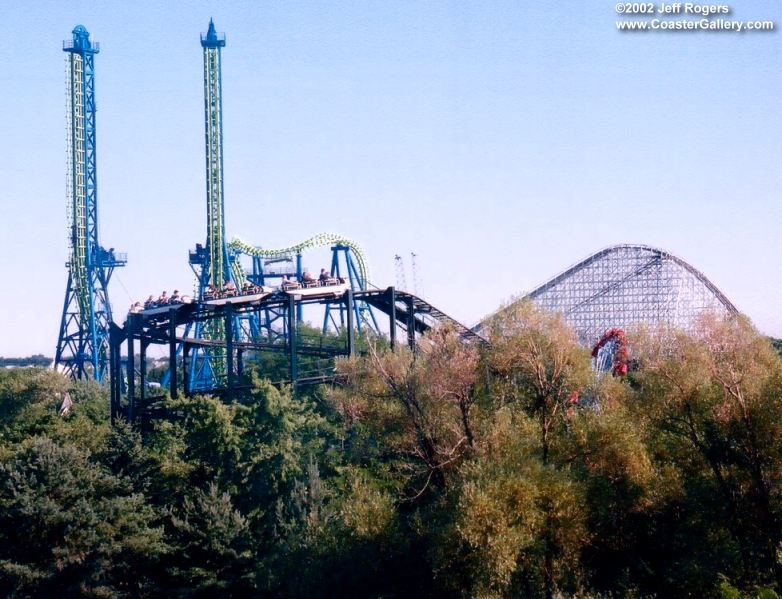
x=212 y=262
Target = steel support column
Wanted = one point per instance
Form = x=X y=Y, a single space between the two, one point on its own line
x=172 y=346
x=392 y=316
x=410 y=322
x=299 y=272
x=114 y=367
x=142 y=379
x=185 y=367
x=229 y=347
x=131 y=372
x=351 y=331
x=293 y=306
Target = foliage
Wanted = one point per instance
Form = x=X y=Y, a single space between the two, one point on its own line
x=452 y=471
x=69 y=525
x=38 y=360
x=418 y=406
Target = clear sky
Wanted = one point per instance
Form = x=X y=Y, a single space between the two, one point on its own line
x=499 y=141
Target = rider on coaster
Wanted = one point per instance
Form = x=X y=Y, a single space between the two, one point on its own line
x=229 y=289
x=308 y=279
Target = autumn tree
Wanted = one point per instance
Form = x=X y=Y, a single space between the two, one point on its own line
x=536 y=364
x=715 y=397
x=416 y=408
x=537 y=371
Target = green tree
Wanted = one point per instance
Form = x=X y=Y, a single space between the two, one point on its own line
x=29 y=398
x=214 y=546
x=538 y=369
x=715 y=398
x=623 y=487
x=68 y=526
x=515 y=517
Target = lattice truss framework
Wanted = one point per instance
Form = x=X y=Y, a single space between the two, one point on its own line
x=625 y=285
x=82 y=345
x=215 y=208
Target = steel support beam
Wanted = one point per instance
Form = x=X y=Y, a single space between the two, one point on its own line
x=351 y=336
x=292 y=341
x=410 y=322
x=185 y=367
x=299 y=272
x=131 y=373
x=229 y=347
x=172 y=346
x=142 y=379
x=392 y=316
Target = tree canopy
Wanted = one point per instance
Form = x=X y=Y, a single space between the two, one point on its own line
x=452 y=471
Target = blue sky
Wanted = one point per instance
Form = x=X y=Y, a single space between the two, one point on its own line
x=499 y=141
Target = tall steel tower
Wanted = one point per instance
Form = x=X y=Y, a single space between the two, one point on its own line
x=82 y=347
x=212 y=262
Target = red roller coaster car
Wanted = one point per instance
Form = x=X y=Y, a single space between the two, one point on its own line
x=617 y=340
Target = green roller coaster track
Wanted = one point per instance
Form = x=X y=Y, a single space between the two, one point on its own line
x=320 y=240
x=77 y=195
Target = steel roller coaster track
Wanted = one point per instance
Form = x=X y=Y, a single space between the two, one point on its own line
x=321 y=240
